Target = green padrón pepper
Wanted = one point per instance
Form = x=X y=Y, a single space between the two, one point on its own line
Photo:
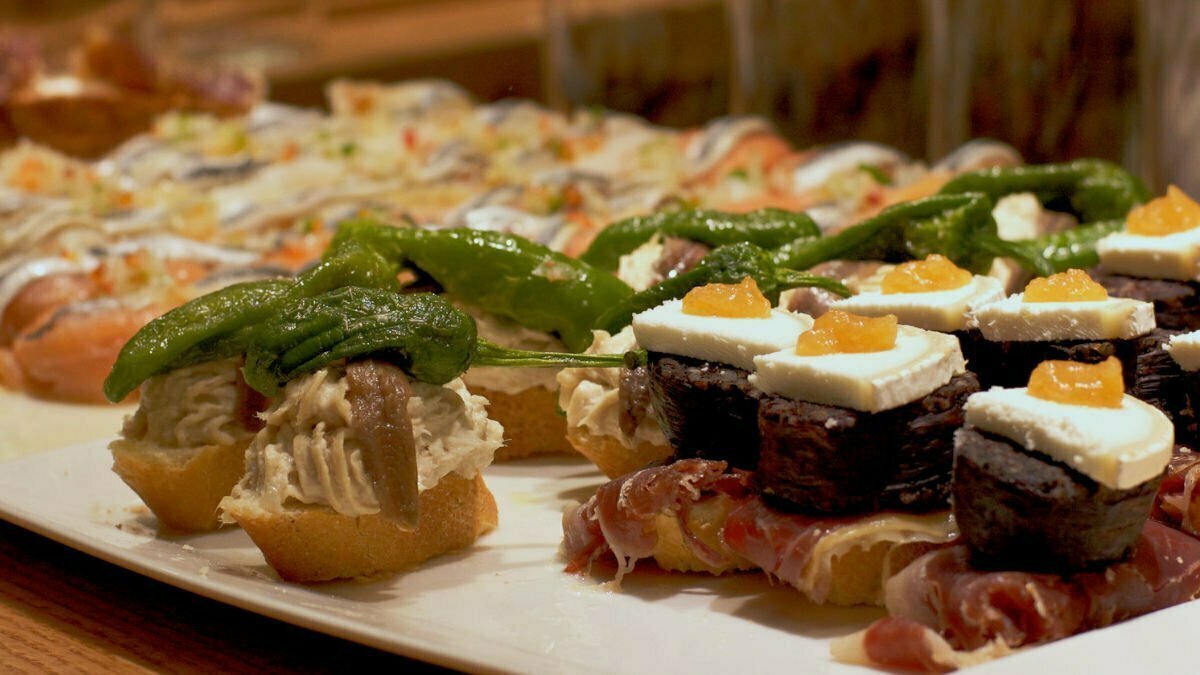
x=767 y=228
x=502 y=273
x=421 y=333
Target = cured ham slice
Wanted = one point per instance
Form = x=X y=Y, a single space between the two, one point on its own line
x=621 y=518
x=1178 y=500
x=839 y=560
x=940 y=601
x=699 y=515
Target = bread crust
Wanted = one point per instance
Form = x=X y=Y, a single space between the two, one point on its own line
x=314 y=543
x=611 y=456
x=181 y=486
x=531 y=421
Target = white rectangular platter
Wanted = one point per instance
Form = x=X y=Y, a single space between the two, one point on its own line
x=505 y=604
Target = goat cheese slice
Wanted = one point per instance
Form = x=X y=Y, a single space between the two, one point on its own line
x=1014 y=320
x=1116 y=447
x=872 y=382
x=736 y=342
x=1185 y=349
x=1173 y=256
x=942 y=311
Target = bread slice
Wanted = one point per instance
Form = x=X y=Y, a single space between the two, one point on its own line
x=611 y=456
x=531 y=421
x=181 y=486
x=314 y=543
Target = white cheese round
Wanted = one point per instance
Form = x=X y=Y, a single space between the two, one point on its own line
x=1013 y=320
x=920 y=362
x=736 y=342
x=942 y=311
x=1185 y=349
x=1174 y=256
x=1116 y=447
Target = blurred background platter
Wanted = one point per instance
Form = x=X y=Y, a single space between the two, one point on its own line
x=1056 y=79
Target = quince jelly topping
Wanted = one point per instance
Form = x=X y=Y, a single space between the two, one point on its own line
x=1176 y=212
x=1069 y=286
x=934 y=273
x=838 y=332
x=731 y=301
x=1097 y=385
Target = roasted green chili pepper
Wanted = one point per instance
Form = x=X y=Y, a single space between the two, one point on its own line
x=1072 y=249
x=354 y=265
x=502 y=273
x=421 y=333
x=189 y=334
x=767 y=228
x=1092 y=189
x=724 y=265
x=945 y=224
x=220 y=324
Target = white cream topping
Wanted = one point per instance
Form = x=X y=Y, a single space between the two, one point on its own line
x=1173 y=256
x=1185 y=349
x=591 y=396
x=309 y=451
x=1013 y=320
x=920 y=362
x=736 y=342
x=1116 y=447
x=189 y=408
x=943 y=311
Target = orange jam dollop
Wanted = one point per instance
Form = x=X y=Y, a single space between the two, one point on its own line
x=844 y=333
x=1097 y=385
x=1176 y=212
x=731 y=301
x=1069 y=286
x=934 y=273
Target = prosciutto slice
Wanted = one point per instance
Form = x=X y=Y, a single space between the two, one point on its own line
x=940 y=602
x=1178 y=500
x=801 y=550
x=619 y=519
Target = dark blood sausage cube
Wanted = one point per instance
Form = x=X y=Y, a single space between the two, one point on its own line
x=706 y=410
x=1020 y=510
x=825 y=459
x=1166 y=386
x=1176 y=303
x=1009 y=364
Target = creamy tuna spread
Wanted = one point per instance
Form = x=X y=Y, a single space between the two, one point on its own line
x=591 y=397
x=508 y=333
x=1185 y=349
x=920 y=362
x=944 y=311
x=1013 y=320
x=1022 y=216
x=308 y=450
x=189 y=408
x=1117 y=447
x=639 y=268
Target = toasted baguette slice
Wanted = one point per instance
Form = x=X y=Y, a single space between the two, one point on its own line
x=315 y=543
x=531 y=421
x=610 y=456
x=181 y=486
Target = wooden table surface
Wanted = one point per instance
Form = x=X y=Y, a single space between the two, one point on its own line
x=64 y=611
